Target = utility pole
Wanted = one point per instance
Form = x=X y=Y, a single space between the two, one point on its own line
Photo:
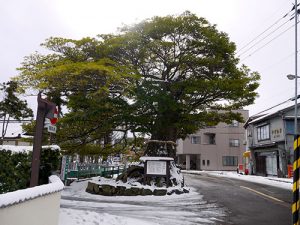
x=295 y=206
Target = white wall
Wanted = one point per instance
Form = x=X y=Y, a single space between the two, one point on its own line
x=32 y=206
x=43 y=210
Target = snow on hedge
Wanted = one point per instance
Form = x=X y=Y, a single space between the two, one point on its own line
x=17 y=149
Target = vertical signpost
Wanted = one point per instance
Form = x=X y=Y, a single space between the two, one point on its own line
x=45 y=108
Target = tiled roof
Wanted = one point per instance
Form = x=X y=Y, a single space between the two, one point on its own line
x=285 y=106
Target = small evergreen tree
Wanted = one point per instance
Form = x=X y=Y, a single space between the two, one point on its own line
x=12 y=106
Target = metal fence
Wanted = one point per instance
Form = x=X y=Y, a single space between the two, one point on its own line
x=85 y=170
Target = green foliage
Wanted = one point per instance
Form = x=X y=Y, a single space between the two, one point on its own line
x=50 y=162
x=93 y=88
x=15 y=168
x=189 y=75
x=14 y=171
x=12 y=105
x=29 y=129
x=165 y=77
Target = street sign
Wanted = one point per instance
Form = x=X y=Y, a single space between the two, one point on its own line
x=55 y=117
x=51 y=129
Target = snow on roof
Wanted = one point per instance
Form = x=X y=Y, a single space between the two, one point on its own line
x=274 y=110
x=19 y=196
x=17 y=149
x=148 y=158
x=19 y=136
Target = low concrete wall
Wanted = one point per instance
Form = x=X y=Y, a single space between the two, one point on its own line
x=32 y=206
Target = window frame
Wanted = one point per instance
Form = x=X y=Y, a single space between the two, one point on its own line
x=210 y=138
x=234 y=123
x=195 y=137
x=233 y=144
x=263 y=132
x=230 y=160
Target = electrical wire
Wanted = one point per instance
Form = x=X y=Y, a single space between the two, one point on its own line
x=260 y=35
x=259 y=41
x=290 y=99
x=267 y=43
x=276 y=22
x=268 y=35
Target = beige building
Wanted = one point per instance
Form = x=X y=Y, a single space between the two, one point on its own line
x=214 y=148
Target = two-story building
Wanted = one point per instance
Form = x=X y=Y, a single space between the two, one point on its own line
x=214 y=148
x=270 y=140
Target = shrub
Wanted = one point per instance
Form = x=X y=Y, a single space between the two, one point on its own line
x=15 y=168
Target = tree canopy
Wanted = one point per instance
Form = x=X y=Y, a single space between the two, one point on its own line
x=165 y=77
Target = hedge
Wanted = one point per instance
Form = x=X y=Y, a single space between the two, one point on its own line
x=15 y=168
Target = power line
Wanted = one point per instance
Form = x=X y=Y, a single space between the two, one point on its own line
x=259 y=35
x=290 y=99
x=276 y=22
x=252 y=46
x=268 y=35
x=15 y=121
x=267 y=43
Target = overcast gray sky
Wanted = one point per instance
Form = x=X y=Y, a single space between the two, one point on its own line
x=26 y=24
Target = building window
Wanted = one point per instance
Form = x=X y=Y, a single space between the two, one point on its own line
x=230 y=160
x=210 y=138
x=203 y=162
x=263 y=132
x=234 y=142
x=249 y=132
x=234 y=123
x=289 y=126
x=195 y=139
x=207 y=162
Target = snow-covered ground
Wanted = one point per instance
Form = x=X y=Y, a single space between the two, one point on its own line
x=79 y=207
x=285 y=183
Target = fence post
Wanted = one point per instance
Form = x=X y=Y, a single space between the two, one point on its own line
x=295 y=206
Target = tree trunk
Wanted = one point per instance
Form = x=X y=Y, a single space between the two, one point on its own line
x=162 y=144
x=7 y=122
x=4 y=128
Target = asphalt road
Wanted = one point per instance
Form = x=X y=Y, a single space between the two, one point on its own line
x=245 y=203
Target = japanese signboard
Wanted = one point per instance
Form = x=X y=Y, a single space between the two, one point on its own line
x=156 y=167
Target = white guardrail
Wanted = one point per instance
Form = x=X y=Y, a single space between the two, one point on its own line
x=32 y=206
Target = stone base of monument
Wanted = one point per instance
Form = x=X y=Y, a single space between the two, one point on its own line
x=127 y=190
x=153 y=176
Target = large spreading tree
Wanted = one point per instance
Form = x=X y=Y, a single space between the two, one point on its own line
x=165 y=77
